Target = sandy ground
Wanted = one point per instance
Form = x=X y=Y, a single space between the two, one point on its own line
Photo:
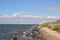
x=49 y=34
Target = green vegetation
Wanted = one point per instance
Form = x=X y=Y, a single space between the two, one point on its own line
x=52 y=25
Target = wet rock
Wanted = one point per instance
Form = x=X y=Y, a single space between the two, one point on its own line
x=14 y=38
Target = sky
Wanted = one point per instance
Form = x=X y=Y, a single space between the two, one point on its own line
x=28 y=11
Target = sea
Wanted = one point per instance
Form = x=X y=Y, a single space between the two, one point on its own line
x=9 y=30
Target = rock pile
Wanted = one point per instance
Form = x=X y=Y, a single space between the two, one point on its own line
x=35 y=33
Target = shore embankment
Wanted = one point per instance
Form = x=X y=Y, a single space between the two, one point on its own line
x=37 y=33
x=44 y=34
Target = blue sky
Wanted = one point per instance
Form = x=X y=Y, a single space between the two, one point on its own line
x=30 y=7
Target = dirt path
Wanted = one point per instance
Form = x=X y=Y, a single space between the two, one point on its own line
x=49 y=34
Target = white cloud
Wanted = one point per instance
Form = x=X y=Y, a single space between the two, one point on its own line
x=14 y=15
x=52 y=17
x=37 y=16
x=4 y=16
x=15 y=18
x=31 y=16
x=7 y=16
x=28 y=16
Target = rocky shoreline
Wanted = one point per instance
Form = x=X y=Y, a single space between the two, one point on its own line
x=33 y=33
x=37 y=33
